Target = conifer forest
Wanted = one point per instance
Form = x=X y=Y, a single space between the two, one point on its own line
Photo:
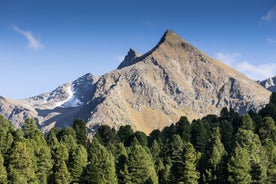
x=229 y=148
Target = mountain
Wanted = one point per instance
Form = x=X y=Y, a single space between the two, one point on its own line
x=57 y=108
x=269 y=84
x=147 y=91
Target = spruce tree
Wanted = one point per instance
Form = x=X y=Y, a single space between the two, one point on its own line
x=3 y=172
x=175 y=151
x=198 y=135
x=238 y=167
x=190 y=173
x=77 y=162
x=60 y=170
x=251 y=143
x=101 y=167
x=140 y=166
x=81 y=132
x=21 y=167
x=62 y=175
x=215 y=158
x=183 y=129
x=6 y=136
x=44 y=164
x=267 y=129
x=270 y=150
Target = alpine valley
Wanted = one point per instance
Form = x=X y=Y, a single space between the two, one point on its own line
x=147 y=91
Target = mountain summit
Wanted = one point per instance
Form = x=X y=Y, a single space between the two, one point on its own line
x=152 y=90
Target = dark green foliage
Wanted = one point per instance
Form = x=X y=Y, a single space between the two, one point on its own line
x=77 y=162
x=215 y=157
x=247 y=123
x=6 y=136
x=168 y=132
x=270 y=109
x=3 y=172
x=227 y=136
x=175 y=152
x=125 y=134
x=273 y=98
x=267 y=129
x=190 y=173
x=226 y=149
x=106 y=135
x=21 y=167
x=141 y=137
x=183 y=129
x=155 y=135
x=238 y=166
x=81 y=132
x=101 y=167
x=198 y=135
x=140 y=166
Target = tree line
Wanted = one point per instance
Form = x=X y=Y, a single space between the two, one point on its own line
x=215 y=149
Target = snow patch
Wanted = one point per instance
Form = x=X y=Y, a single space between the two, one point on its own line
x=72 y=100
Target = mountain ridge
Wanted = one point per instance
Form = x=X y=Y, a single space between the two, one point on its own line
x=269 y=83
x=155 y=89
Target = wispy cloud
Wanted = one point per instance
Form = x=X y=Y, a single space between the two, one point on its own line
x=33 y=42
x=255 y=72
x=271 y=15
x=227 y=58
x=271 y=41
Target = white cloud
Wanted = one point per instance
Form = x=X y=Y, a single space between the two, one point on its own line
x=271 y=15
x=33 y=42
x=271 y=41
x=227 y=58
x=255 y=72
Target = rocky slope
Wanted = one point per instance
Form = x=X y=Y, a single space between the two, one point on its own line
x=57 y=108
x=269 y=84
x=148 y=91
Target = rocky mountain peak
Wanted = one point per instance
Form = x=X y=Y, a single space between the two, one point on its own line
x=171 y=38
x=129 y=58
x=147 y=91
x=269 y=84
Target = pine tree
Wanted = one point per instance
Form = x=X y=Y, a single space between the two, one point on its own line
x=121 y=167
x=190 y=174
x=62 y=175
x=270 y=150
x=215 y=157
x=247 y=123
x=238 y=167
x=227 y=137
x=125 y=134
x=183 y=129
x=198 y=135
x=21 y=167
x=6 y=137
x=77 y=162
x=44 y=164
x=3 y=172
x=249 y=141
x=175 y=152
x=140 y=166
x=101 y=167
x=267 y=129
x=81 y=132
x=60 y=170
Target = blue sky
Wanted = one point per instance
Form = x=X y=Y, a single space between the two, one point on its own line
x=45 y=43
